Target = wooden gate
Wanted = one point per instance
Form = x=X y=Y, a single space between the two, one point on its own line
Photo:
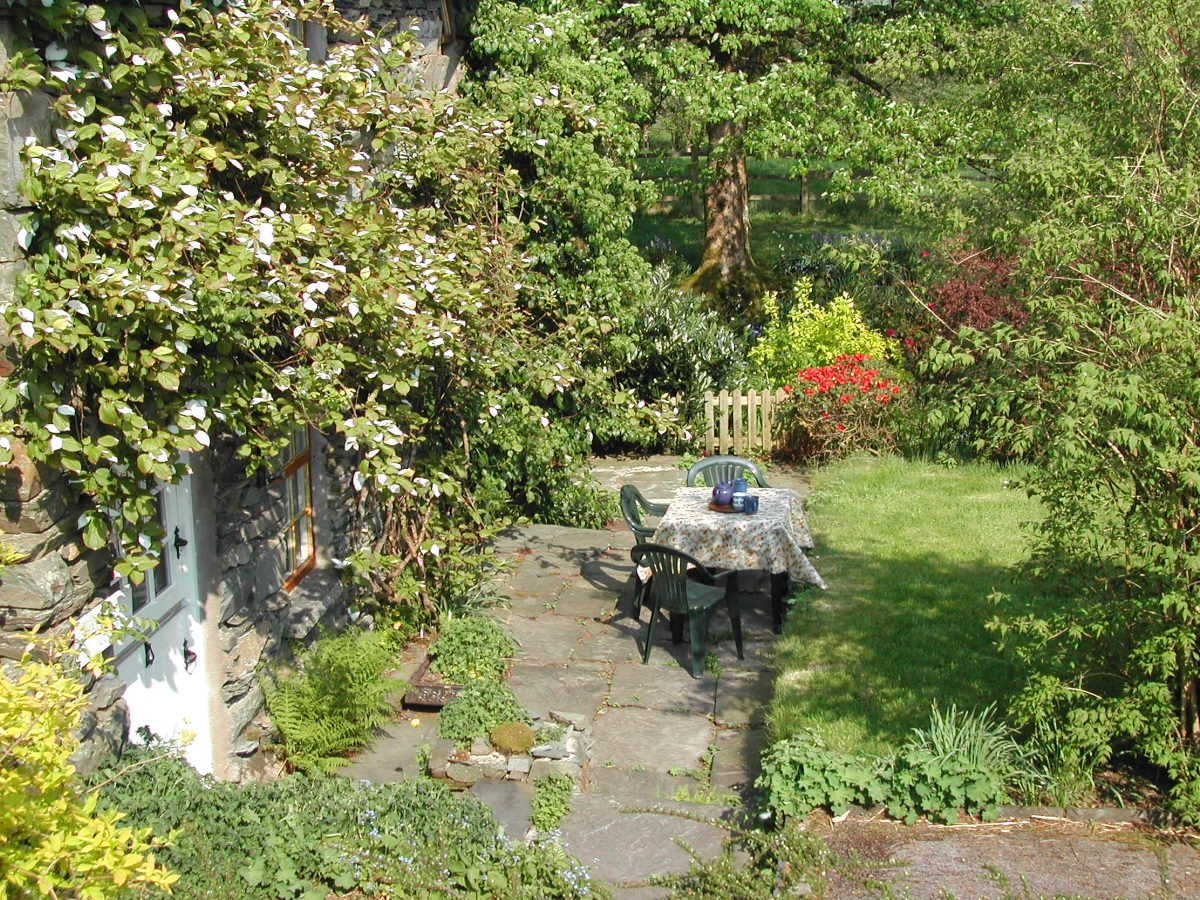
x=740 y=422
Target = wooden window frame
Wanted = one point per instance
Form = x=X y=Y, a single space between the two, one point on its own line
x=299 y=520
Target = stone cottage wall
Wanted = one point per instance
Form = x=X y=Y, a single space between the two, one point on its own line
x=58 y=578
x=257 y=619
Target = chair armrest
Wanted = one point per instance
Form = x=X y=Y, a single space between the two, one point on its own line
x=656 y=509
x=710 y=576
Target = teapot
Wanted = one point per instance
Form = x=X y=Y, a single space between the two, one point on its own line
x=723 y=493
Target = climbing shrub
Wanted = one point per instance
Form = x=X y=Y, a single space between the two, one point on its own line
x=224 y=235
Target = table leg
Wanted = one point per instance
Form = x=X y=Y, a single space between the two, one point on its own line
x=779 y=590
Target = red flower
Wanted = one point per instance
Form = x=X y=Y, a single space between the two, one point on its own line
x=891 y=332
x=841 y=427
x=787 y=388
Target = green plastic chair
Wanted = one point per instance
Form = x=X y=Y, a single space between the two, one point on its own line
x=634 y=509
x=716 y=469
x=686 y=590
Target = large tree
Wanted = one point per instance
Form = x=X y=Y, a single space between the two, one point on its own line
x=813 y=80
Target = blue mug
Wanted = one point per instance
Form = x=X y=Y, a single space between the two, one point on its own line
x=740 y=485
x=750 y=504
x=739 y=501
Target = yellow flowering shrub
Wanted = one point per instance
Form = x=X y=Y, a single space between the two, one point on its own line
x=53 y=842
x=812 y=335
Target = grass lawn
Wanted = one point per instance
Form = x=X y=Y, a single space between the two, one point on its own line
x=911 y=552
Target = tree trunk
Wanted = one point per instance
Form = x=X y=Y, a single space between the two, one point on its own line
x=727 y=268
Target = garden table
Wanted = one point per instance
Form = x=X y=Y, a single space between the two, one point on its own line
x=773 y=539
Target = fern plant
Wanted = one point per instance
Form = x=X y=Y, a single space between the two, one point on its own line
x=329 y=704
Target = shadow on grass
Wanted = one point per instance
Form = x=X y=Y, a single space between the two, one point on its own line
x=863 y=662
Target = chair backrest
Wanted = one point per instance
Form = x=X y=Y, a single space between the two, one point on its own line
x=716 y=469
x=670 y=568
x=632 y=504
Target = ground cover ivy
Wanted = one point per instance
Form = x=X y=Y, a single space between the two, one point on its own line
x=306 y=838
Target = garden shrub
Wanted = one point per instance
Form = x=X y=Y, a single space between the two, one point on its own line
x=331 y=701
x=981 y=290
x=471 y=648
x=299 y=837
x=811 y=335
x=965 y=761
x=673 y=343
x=54 y=840
x=836 y=409
x=478 y=708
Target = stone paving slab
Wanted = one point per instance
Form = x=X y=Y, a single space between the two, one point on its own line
x=606 y=646
x=737 y=761
x=510 y=801
x=640 y=788
x=615 y=576
x=578 y=689
x=656 y=740
x=628 y=847
x=661 y=687
x=581 y=600
x=394 y=753
x=759 y=655
x=742 y=698
x=546 y=639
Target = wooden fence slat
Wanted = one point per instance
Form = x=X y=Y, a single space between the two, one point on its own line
x=753 y=426
x=738 y=424
x=723 y=425
x=709 y=434
x=767 y=437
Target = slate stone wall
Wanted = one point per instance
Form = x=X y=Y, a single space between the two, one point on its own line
x=440 y=27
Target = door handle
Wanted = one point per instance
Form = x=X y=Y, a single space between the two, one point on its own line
x=180 y=542
x=189 y=657
x=148 y=654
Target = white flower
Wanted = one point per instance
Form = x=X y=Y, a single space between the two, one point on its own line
x=194 y=409
x=545 y=422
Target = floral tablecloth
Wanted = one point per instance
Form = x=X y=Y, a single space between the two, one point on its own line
x=773 y=539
